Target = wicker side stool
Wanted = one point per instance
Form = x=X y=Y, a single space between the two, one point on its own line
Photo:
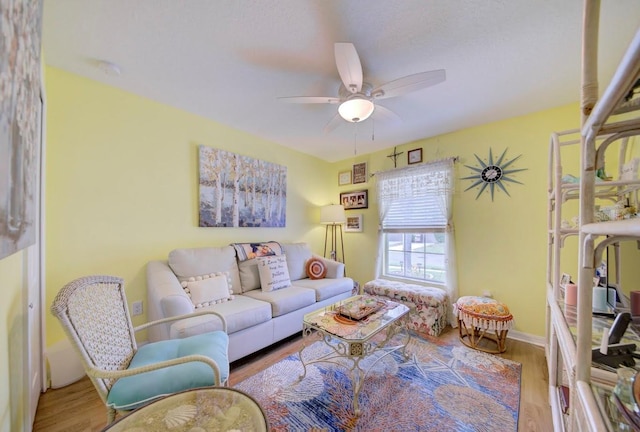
x=483 y=319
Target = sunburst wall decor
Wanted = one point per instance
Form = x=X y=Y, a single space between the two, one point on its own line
x=492 y=173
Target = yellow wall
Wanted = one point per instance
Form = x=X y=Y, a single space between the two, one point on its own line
x=122 y=190
x=122 y=185
x=501 y=245
x=12 y=342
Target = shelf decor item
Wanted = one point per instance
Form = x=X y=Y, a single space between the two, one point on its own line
x=623 y=407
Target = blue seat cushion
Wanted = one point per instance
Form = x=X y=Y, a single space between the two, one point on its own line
x=131 y=392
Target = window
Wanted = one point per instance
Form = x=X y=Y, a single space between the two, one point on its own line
x=415 y=215
x=415 y=256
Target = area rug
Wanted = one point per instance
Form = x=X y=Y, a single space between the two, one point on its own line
x=443 y=386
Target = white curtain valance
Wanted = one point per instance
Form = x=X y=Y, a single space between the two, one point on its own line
x=415 y=181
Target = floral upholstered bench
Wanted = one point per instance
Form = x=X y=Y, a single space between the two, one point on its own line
x=428 y=306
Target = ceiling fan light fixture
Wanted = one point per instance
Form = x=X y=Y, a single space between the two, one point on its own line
x=356 y=109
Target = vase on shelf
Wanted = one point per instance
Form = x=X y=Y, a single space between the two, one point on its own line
x=622 y=405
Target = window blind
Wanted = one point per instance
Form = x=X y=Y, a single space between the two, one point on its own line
x=421 y=214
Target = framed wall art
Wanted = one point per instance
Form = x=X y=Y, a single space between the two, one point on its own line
x=354 y=223
x=240 y=191
x=360 y=173
x=344 y=178
x=355 y=200
x=21 y=108
x=414 y=156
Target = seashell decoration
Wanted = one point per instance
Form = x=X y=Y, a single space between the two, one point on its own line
x=180 y=415
x=230 y=416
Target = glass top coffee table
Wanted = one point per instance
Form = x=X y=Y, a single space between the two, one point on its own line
x=349 y=328
x=200 y=409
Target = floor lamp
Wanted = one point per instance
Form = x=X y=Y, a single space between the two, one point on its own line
x=333 y=217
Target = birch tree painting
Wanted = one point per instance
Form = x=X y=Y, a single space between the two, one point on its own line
x=20 y=122
x=240 y=191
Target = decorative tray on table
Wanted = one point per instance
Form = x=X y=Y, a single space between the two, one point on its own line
x=360 y=307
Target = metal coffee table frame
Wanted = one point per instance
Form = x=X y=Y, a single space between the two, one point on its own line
x=352 y=340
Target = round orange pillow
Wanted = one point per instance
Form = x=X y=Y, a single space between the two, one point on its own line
x=316 y=269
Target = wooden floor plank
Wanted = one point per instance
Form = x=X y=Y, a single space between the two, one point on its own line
x=78 y=408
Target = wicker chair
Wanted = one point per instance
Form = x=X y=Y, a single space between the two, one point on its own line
x=94 y=314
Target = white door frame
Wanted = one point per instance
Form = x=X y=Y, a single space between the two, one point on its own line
x=35 y=381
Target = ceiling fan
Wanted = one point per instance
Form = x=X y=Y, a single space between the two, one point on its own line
x=356 y=97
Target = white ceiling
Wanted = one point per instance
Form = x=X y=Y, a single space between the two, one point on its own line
x=229 y=60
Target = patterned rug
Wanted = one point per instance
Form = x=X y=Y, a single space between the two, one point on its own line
x=443 y=386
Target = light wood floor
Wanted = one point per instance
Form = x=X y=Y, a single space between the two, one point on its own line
x=77 y=407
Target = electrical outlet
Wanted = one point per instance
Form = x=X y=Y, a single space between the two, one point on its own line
x=137 y=307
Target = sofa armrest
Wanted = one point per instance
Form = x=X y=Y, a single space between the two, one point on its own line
x=165 y=298
x=335 y=269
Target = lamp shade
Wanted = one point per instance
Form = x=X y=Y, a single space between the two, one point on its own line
x=332 y=214
x=356 y=109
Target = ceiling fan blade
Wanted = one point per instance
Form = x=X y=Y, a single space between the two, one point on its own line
x=385 y=114
x=409 y=83
x=310 y=99
x=349 y=66
x=333 y=123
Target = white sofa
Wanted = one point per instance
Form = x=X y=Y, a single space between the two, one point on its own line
x=255 y=318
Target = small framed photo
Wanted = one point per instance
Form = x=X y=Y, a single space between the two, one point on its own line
x=344 y=178
x=564 y=279
x=354 y=223
x=355 y=200
x=414 y=156
x=360 y=173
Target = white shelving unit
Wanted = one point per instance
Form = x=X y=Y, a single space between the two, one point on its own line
x=570 y=330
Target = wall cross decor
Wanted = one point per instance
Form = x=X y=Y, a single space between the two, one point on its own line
x=394 y=156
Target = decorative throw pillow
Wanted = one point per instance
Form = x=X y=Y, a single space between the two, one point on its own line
x=316 y=269
x=274 y=273
x=208 y=289
x=246 y=251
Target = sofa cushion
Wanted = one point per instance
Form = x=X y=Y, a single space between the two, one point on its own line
x=134 y=391
x=208 y=289
x=316 y=268
x=285 y=300
x=326 y=288
x=297 y=256
x=274 y=273
x=191 y=262
x=249 y=275
x=241 y=313
x=246 y=251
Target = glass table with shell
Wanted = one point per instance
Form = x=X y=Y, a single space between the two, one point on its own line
x=203 y=409
x=349 y=328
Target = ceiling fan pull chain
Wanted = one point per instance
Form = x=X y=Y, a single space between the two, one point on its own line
x=373 y=129
x=355 y=139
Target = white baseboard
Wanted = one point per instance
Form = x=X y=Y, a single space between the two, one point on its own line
x=526 y=337
x=65 y=366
